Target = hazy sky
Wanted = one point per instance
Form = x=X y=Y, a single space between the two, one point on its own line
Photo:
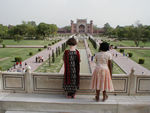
x=60 y=12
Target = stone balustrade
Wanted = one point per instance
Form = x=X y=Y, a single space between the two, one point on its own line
x=52 y=83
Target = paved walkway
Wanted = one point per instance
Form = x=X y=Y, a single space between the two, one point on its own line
x=91 y=64
x=141 y=48
x=53 y=103
x=23 y=46
x=45 y=53
x=126 y=64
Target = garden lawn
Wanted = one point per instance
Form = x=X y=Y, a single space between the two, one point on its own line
x=27 y=42
x=128 y=43
x=7 y=55
x=117 y=69
x=54 y=67
x=137 y=54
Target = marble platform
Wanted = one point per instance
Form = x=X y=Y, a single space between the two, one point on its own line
x=50 y=103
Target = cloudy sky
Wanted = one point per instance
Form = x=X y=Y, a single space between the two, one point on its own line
x=60 y=12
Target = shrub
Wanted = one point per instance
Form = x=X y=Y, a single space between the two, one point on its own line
x=30 y=53
x=130 y=54
x=39 y=49
x=49 y=44
x=4 y=45
x=121 y=50
x=116 y=47
x=18 y=59
x=141 y=61
x=53 y=57
x=0 y=68
x=53 y=42
x=45 y=46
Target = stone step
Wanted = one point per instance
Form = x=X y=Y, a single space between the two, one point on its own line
x=48 y=103
x=49 y=112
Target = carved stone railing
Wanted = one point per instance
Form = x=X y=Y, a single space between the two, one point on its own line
x=52 y=83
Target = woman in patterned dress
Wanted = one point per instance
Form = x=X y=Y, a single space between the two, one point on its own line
x=71 y=69
x=102 y=75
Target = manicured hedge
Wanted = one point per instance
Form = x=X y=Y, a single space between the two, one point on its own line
x=121 y=50
x=39 y=49
x=130 y=54
x=18 y=59
x=141 y=61
x=30 y=53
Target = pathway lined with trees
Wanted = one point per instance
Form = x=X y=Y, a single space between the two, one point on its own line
x=45 y=53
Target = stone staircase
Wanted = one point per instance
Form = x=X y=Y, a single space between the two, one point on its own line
x=50 y=103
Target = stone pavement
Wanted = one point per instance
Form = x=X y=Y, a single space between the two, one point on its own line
x=91 y=63
x=53 y=103
x=126 y=64
x=45 y=53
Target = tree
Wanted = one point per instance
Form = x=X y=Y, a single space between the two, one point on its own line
x=18 y=38
x=3 y=31
x=53 y=29
x=1 y=40
x=108 y=29
x=53 y=56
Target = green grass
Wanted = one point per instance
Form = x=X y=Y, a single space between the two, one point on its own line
x=117 y=69
x=54 y=67
x=27 y=42
x=11 y=53
x=128 y=43
x=145 y=54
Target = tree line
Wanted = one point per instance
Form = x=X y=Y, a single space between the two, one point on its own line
x=28 y=30
x=137 y=32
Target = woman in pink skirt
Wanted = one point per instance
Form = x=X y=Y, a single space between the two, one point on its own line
x=102 y=75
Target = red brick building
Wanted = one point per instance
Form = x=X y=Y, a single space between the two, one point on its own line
x=81 y=26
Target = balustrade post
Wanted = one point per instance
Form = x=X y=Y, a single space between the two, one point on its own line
x=28 y=80
x=132 y=82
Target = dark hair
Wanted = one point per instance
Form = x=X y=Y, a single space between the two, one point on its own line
x=72 y=42
x=104 y=46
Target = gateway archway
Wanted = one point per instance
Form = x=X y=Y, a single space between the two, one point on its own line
x=81 y=29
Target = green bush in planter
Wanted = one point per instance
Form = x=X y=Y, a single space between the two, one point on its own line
x=0 y=68
x=45 y=46
x=116 y=47
x=121 y=50
x=141 y=61
x=130 y=54
x=4 y=45
x=30 y=53
x=18 y=59
x=39 y=49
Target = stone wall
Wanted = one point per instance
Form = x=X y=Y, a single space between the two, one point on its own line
x=52 y=83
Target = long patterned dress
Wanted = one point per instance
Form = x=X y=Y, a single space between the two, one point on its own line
x=71 y=73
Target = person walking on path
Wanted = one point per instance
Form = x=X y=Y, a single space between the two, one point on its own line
x=71 y=69
x=102 y=75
